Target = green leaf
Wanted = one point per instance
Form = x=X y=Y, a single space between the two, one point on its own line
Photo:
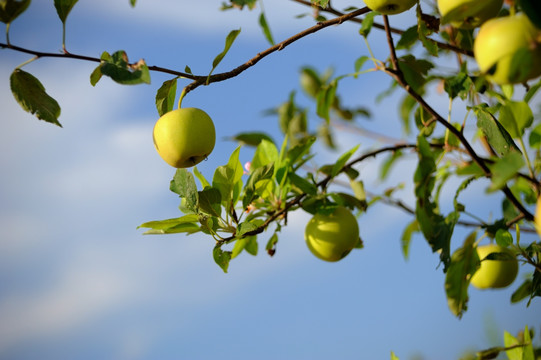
x=522 y=292
x=408 y=38
x=265 y=153
x=221 y=257
x=265 y=27
x=497 y=135
x=503 y=238
x=31 y=95
x=464 y=263
x=63 y=8
x=342 y=160
x=95 y=76
x=186 y=224
x=248 y=243
x=423 y=31
x=11 y=9
x=183 y=184
x=366 y=26
x=436 y=229
x=393 y=356
x=405 y=240
x=132 y=2
x=458 y=85
x=406 y=108
x=532 y=91
x=414 y=70
x=228 y=42
x=271 y=244
x=261 y=173
x=359 y=64
x=202 y=180
x=251 y=138
x=227 y=176
x=303 y=185
x=325 y=100
x=535 y=137
x=387 y=164
x=504 y=169
x=519 y=350
x=210 y=201
x=516 y=116
x=246 y=227
x=116 y=66
x=165 y=96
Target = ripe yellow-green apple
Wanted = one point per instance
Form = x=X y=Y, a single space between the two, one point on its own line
x=390 y=7
x=184 y=137
x=508 y=49
x=468 y=14
x=331 y=237
x=495 y=273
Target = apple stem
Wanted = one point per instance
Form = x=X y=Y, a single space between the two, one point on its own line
x=182 y=94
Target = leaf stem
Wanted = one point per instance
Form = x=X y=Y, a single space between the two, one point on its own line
x=182 y=94
x=27 y=62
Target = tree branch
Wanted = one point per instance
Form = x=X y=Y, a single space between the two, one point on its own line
x=398 y=76
x=441 y=45
x=202 y=80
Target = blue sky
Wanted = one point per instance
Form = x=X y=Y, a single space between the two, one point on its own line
x=79 y=281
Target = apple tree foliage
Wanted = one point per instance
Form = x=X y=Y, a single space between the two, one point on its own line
x=238 y=212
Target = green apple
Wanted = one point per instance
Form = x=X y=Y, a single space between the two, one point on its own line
x=508 y=49
x=331 y=237
x=184 y=137
x=390 y=7
x=495 y=273
x=468 y=14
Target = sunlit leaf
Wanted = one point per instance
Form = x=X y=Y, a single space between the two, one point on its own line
x=265 y=27
x=497 y=135
x=367 y=23
x=265 y=153
x=342 y=160
x=516 y=116
x=31 y=95
x=228 y=42
x=227 y=176
x=165 y=96
x=184 y=224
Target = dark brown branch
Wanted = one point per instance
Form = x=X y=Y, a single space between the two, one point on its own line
x=69 y=55
x=202 y=80
x=398 y=76
x=441 y=45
